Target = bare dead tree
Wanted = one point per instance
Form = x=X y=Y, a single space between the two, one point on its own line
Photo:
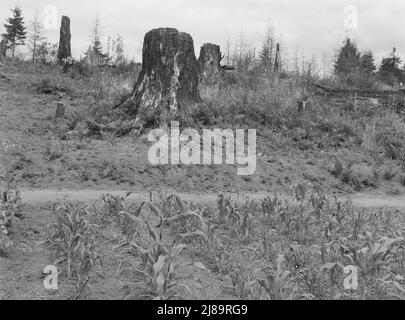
x=35 y=37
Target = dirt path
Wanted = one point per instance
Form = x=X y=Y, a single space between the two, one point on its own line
x=36 y=197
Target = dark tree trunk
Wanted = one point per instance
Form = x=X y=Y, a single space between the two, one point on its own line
x=209 y=61
x=167 y=87
x=64 y=50
x=3 y=48
x=277 y=62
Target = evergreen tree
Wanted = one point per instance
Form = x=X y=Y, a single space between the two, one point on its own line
x=367 y=64
x=94 y=54
x=390 y=71
x=267 y=52
x=348 y=61
x=15 y=30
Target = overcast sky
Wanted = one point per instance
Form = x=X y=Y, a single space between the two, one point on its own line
x=312 y=26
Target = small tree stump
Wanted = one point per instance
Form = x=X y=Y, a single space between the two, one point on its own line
x=167 y=87
x=209 y=61
x=303 y=105
x=64 y=50
x=4 y=197
x=60 y=110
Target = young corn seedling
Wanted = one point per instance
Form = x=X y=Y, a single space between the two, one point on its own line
x=275 y=281
x=243 y=227
x=163 y=275
x=206 y=231
x=9 y=206
x=244 y=281
x=160 y=259
x=87 y=259
x=375 y=259
x=5 y=241
x=225 y=208
x=318 y=202
x=271 y=208
x=334 y=271
x=117 y=207
x=71 y=235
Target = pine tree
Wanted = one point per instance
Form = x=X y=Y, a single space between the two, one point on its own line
x=390 y=71
x=367 y=62
x=267 y=52
x=348 y=61
x=94 y=54
x=15 y=30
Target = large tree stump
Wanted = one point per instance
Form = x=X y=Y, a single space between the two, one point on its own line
x=64 y=50
x=210 y=61
x=167 y=87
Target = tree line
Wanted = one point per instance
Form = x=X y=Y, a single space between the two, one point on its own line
x=42 y=50
x=358 y=69
x=351 y=67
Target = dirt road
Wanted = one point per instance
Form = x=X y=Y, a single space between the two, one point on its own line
x=35 y=197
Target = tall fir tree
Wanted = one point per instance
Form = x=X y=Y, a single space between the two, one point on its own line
x=348 y=60
x=15 y=30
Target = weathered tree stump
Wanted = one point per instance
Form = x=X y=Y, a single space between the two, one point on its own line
x=303 y=105
x=60 y=110
x=277 y=62
x=4 y=197
x=3 y=48
x=64 y=50
x=209 y=61
x=167 y=87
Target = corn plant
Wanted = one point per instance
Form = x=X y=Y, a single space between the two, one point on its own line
x=9 y=206
x=271 y=208
x=73 y=237
x=375 y=259
x=225 y=208
x=117 y=207
x=275 y=281
x=160 y=255
x=5 y=241
x=244 y=281
x=207 y=231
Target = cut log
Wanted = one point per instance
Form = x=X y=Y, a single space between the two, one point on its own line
x=209 y=61
x=64 y=50
x=167 y=87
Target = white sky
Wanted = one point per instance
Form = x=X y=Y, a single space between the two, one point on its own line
x=312 y=26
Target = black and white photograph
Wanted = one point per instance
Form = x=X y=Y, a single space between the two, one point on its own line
x=203 y=151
